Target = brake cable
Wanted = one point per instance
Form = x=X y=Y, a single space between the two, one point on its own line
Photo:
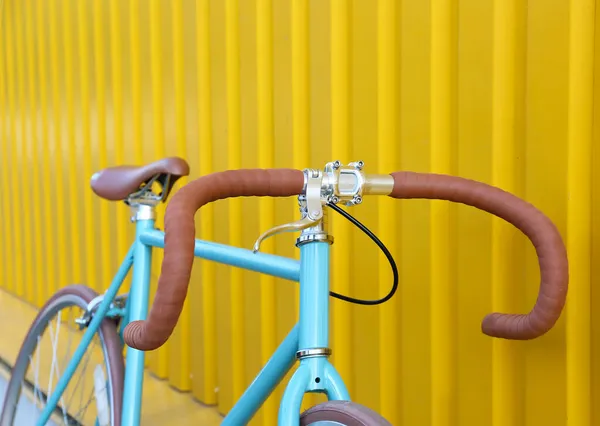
x=385 y=251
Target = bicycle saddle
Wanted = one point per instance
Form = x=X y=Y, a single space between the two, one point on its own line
x=117 y=183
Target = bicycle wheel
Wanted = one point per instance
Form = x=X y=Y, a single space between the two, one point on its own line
x=341 y=413
x=56 y=320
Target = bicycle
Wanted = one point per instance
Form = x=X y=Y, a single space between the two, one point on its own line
x=124 y=320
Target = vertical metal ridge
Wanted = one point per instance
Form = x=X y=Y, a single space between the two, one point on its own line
x=49 y=232
x=232 y=46
x=209 y=368
x=59 y=201
x=340 y=139
x=70 y=150
x=580 y=122
x=7 y=265
x=16 y=216
x=443 y=294
x=116 y=60
x=389 y=349
x=89 y=214
x=179 y=78
x=33 y=156
x=100 y=71
x=232 y=55
x=158 y=360
x=506 y=394
x=157 y=78
x=4 y=238
x=300 y=85
x=136 y=89
x=25 y=287
x=22 y=155
x=179 y=374
x=266 y=151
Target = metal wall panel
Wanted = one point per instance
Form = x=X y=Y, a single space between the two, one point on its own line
x=497 y=91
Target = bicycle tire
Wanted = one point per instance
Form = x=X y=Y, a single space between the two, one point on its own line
x=346 y=413
x=77 y=296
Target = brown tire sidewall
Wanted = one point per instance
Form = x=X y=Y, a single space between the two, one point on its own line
x=345 y=412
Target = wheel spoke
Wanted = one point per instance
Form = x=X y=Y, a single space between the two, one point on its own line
x=55 y=366
x=87 y=358
x=47 y=337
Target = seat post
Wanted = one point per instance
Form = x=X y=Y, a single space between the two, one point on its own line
x=143 y=201
x=143 y=212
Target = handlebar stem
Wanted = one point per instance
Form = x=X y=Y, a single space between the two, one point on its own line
x=337 y=183
x=348 y=183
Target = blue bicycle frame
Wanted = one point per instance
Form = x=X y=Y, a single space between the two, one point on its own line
x=314 y=374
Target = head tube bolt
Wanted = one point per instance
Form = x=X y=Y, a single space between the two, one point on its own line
x=357 y=199
x=337 y=164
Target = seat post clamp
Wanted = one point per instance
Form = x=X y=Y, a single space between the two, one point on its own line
x=143 y=212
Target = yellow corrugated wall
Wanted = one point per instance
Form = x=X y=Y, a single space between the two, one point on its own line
x=501 y=91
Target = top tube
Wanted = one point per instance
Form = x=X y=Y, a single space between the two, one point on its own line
x=277 y=266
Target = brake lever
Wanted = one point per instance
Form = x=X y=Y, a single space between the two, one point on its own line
x=288 y=227
x=310 y=206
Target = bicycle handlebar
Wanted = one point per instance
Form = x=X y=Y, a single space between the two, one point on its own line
x=551 y=253
x=180 y=240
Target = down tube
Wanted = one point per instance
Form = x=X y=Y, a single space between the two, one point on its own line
x=137 y=310
x=266 y=381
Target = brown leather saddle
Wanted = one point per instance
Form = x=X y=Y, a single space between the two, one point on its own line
x=119 y=182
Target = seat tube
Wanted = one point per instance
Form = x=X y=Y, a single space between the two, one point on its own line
x=144 y=217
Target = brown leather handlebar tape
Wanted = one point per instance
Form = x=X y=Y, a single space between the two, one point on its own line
x=549 y=246
x=180 y=240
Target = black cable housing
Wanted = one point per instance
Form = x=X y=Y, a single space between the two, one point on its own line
x=383 y=248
